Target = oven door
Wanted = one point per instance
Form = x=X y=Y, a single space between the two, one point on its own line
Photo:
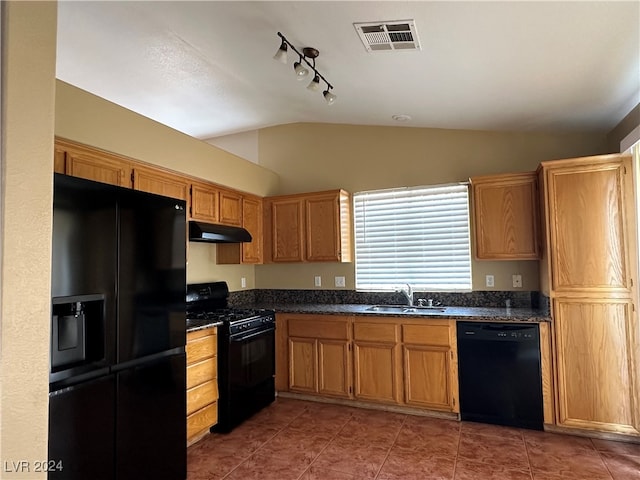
x=246 y=376
x=251 y=358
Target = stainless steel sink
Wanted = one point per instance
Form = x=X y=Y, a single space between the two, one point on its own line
x=404 y=309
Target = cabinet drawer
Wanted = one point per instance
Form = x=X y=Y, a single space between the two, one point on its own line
x=201 y=372
x=318 y=329
x=375 y=332
x=426 y=335
x=198 y=397
x=202 y=419
x=201 y=347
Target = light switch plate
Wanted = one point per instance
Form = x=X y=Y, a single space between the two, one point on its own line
x=489 y=281
x=517 y=281
x=317 y=281
x=340 y=282
x=243 y=282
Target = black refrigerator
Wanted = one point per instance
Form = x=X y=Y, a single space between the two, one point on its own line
x=117 y=398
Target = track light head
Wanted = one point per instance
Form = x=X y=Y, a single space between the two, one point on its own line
x=329 y=97
x=301 y=72
x=281 y=53
x=314 y=85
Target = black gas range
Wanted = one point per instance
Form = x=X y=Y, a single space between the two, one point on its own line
x=246 y=351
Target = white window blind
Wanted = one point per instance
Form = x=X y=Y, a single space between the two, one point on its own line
x=417 y=235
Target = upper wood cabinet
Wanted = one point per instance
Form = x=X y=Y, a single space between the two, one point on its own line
x=204 y=202
x=505 y=213
x=590 y=213
x=91 y=164
x=230 y=208
x=252 y=221
x=313 y=227
x=161 y=183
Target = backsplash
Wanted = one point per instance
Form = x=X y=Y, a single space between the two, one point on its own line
x=535 y=300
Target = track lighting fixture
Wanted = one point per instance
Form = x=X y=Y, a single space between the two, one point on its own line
x=307 y=56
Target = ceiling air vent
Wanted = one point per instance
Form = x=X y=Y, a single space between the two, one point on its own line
x=385 y=36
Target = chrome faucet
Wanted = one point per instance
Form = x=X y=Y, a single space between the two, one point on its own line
x=408 y=293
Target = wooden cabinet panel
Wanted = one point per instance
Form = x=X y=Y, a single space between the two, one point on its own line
x=587 y=227
x=287 y=218
x=161 y=183
x=375 y=332
x=434 y=335
x=334 y=368
x=202 y=420
x=202 y=382
x=318 y=326
x=427 y=377
x=230 y=208
x=312 y=227
x=201 y=395
x=201 y=372
x=322 y=229
x=201 y=344
x=204 y=203
x=303 y=365
x=100 y=169
x=59 y=163
x=597 y=351
x=506 y=216
x=375 y=371
x=252 y=222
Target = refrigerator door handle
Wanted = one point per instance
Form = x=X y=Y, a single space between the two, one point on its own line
x=149 y=358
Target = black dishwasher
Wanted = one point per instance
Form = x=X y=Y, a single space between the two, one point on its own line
x=499 y=374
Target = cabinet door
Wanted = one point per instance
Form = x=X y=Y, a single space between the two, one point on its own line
x=303 y=361
x=597 y=363
x=426 y=377
x=334 y=368
x=588 y=238
x=160 y=183
x=375 y=371
x=204 y=203
x=252 y=221
x=322 y=228
x=506 y=217
x=230 y=208
x=100 y=169
x=287 y=219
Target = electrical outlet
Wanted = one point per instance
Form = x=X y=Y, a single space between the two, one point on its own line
x=243 y=282
x=517 y=281
x=340 y=282
x=317 y=281
x=489 y=281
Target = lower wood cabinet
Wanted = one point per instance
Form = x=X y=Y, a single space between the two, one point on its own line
x=319 y=360
x=430 y=365
x=377 y=365
x=202 y=382
x=411 y=362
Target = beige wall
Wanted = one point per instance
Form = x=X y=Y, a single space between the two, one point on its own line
x=310 y=157
x=91 y=120
x=28 y=71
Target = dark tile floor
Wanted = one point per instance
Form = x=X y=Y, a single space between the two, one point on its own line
x=298 y=440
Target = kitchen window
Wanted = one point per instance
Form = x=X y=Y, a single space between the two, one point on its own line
x=416 y=235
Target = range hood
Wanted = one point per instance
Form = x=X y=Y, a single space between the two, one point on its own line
x=214 y=233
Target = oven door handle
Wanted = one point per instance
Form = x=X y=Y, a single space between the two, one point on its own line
x=240 y=337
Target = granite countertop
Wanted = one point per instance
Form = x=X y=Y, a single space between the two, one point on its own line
x=455 y=313
x=195 y=325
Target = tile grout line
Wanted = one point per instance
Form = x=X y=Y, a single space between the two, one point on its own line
x=262 y=445
x=526 y=449
x=606 y=465
x=325 y=447
x=390 y=447
x=455 y=460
